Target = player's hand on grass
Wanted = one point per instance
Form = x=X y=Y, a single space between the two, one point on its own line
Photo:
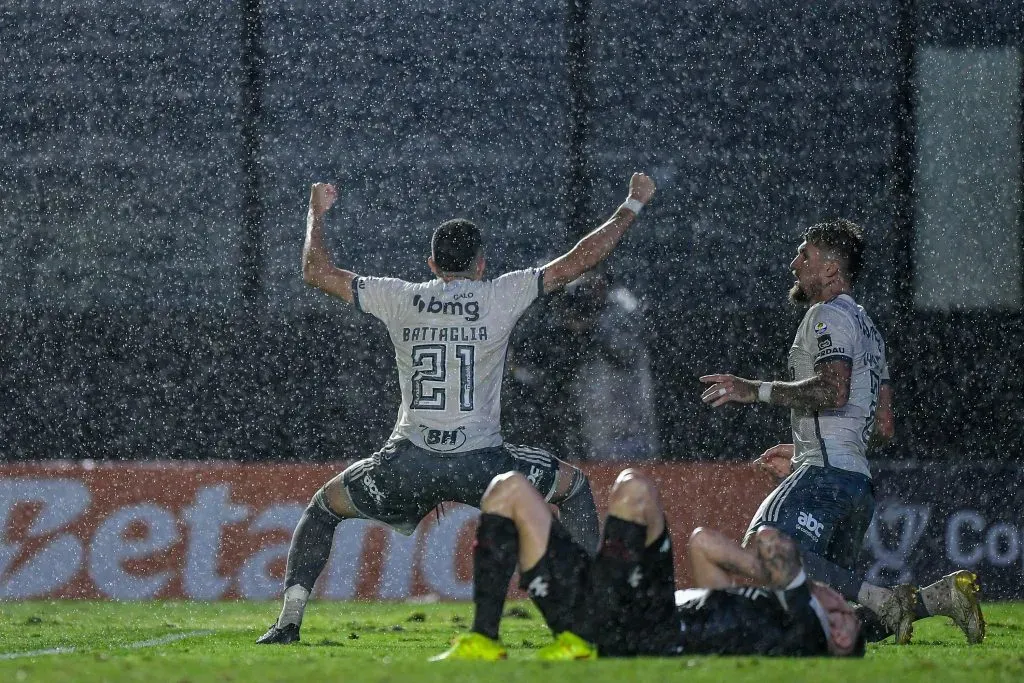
x=321 y=197
x=641 y=188
x=776 y=460
x=728 y=389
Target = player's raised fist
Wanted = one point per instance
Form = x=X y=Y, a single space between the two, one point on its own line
x=321 y=197
x=641 y=188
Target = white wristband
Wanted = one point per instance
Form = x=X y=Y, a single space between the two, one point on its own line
x=764 y=392
x=633 y=205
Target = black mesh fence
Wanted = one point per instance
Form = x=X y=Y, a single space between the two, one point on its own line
x=124 y=333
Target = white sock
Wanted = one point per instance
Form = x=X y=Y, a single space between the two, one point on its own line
x=872 y=597
x=935 y=598
x=294 y=605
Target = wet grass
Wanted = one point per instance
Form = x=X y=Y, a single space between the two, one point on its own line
x=190 y=641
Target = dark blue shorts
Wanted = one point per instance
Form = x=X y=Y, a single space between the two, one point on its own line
x=401 y=483
x=826 y=510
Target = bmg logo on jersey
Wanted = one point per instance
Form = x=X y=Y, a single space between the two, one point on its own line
x=470 y=310
x=443 y=439
x=809 y=525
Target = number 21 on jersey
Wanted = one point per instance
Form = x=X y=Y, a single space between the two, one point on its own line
x=430 y=376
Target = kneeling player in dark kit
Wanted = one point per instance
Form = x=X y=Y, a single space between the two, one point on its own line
x=624 y=601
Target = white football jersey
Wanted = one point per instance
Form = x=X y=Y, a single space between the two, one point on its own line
x=450 y=341
x=838 y=329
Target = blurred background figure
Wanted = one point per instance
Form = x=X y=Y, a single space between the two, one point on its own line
x=594 y=386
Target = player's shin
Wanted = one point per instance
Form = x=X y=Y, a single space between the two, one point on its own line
x=872 y=627
x=578 y=513
x=307 y=556
x=494 y=561
x=615 y=575
x=887 y=611
x=552 y=583
x=619 y=554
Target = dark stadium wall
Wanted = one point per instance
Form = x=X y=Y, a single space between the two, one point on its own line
x=122 y=333
x=756 y=119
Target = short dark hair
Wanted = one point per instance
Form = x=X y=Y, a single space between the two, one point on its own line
x=455 y=245
x=842 y=237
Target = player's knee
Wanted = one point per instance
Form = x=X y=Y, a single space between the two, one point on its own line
x=780 y=543
x=699 y=540
x=633 y=496
x=707 y=543
x=503 y=493
x=626 y=475
x=633 y=486
x=335 y=498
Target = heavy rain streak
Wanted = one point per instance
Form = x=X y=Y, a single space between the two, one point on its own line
x=287 y=285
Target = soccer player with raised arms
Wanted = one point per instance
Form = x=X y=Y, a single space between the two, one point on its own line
x=450 y=336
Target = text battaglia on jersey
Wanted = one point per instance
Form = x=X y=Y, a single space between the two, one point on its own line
x=444 y=334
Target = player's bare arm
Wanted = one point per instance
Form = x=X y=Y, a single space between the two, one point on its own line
x=770 y=558
x=599 y=243
x=718 y=561
x=828 y=388
x=885 y=423
x=317 y=269
x=779 y=555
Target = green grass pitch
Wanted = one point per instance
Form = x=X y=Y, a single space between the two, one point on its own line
x=390 y=642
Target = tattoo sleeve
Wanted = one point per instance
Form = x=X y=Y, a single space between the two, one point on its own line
x=829 y=388
x=780 y=557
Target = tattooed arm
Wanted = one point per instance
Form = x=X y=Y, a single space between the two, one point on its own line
x=828 y=388
x=717 y=561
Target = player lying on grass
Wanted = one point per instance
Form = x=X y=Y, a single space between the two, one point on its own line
x=624 y=602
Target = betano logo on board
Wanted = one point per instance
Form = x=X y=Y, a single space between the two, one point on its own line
x=59 y=538
x=212 y=530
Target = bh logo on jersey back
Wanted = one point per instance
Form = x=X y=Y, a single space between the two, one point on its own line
x=443 y=439
x=470 y=310
x=809 y=525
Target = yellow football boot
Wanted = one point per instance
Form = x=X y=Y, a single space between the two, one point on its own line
x=567 y=646
x=473 y=647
